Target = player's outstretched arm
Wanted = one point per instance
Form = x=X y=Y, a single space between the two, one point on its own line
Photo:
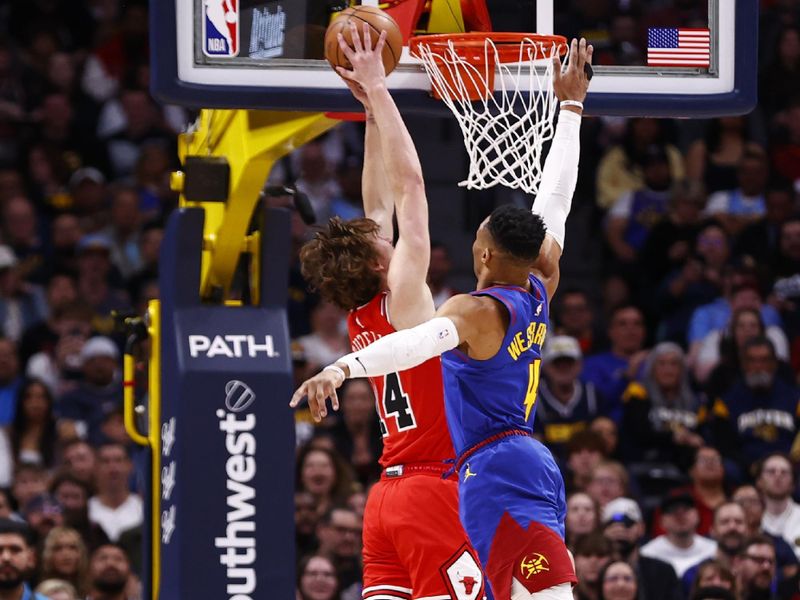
x=461 y=321
x=560 y=173
x=410 y=301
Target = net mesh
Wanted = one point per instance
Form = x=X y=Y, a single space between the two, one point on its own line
x=503 y=132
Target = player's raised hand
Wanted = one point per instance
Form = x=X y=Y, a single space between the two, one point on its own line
x=367 y=62
x=572 y=83
x=318 y=389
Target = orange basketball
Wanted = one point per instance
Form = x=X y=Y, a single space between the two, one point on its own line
x=378 y=21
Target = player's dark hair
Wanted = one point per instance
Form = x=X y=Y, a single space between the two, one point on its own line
x=340 y=261
x=517 y=230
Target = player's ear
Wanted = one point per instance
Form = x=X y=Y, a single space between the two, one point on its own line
x=486 y=256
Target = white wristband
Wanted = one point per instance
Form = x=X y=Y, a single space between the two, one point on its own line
x=335 y=369
x=574 y=103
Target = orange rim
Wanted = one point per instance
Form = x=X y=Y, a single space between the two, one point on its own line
x=507 y=44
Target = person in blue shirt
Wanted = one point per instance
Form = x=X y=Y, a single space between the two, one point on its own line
x=16 y=559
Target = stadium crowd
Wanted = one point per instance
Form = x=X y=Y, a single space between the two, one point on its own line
x=670 y=384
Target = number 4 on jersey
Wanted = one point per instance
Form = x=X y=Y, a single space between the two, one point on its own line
x=396 y=403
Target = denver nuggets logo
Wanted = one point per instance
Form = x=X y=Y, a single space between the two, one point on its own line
x=533 y=564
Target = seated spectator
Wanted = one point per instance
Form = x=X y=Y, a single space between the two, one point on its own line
x=357 y=435
x=9 y=381
x=110 y=576
x=64 y=556
x=660 y=414
x=57 y=589
x=713 y=575
x=316 y=179
x=317 y=579
x=755 y=569
x=609 y=432
x=785 y=147
x=114 y=507
x=79 y=460
x=349 y=203
x=620 y=170
x=565 y=404
x=21 y=304
x=33 y=433
x=624 y=526
x=760 y=239
x=758 y=414
x=438 y=274
x=585 y=452
x=326 y=342
x=612 y=371
x=609 y=480
x=574 y=315
x=30 y=481
x=775 y=482
x=634 y=213
x=779 y=81
x=339 y=534
x=98 y=283
x=123 y=231
x=98 y=393
x=323 y=474
x=753 y=505
x=737 y=208
x=73 y=494
x=150 y=239
x=16 y=548
x=618 y=582
x=712 y=160
x=583 y=517
x=592 y=554
x=680 y=545
x=718 y=361
x=43 y=513
x=305 y=523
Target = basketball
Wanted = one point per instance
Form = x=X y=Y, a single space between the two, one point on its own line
x=378 y=21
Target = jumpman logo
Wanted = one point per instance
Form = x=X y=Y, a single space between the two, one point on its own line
x=468 y=473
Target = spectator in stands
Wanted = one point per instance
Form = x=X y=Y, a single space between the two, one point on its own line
x=64 y=556
x=609 y=432
x=755 y=569
x=96 y=281
x=21 y=304
x=729 y=530
x=61 y=291
x=305 y=523
x=109 y=574
x=87 y=186
x=98 y=394
x=323 y=474
x=574 y=316
x=583 y=517
x=79 y=461
x=439 y=273
x=775 y=481
x=317 y=579
x=73 y=494
x=780 y=80
x=785 y=147
x=592 y=553
x=9 y=381
x=738 y=207
x=660 y=413
x=21 y=233
x=57 y=589
x=634 y=213
x=712 y=161
x=339 y=534
x=114 y=507
x=33 y=433
x=680 y=545
x=618 y=582
x=349 y=203
x=620 y=169
x=757 y=415
x=30 y=480
x=609 y=480
x=565 y=404
x=326 y=342
x=316 y=180
x=123 y=230
x=624 y=527
x=16 y=558
x=6 y=511
x=760 y=239
x=150 y=239
x=584 y=453
x=753 y=505
x=43 y=513
x=612 y=371
x=711 y=576
x=357 y=435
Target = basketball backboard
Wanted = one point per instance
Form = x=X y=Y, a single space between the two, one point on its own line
x=268 y=53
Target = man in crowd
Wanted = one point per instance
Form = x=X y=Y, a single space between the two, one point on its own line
x=109 y=574
x=339 y=534
x=114 y=507
x=16 y=561
x=775 y=481
x=754 y=568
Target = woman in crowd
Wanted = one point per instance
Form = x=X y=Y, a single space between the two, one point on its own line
x=33 y=433
x=714 y=160
x=323 y=474
x=617 y=581
x=356 y=435
x=713 y=573
x=317 y=580
x=583 y=516
x=65 y=557
x=57 y=589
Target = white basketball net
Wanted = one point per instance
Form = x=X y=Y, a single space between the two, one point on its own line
x=503 y=132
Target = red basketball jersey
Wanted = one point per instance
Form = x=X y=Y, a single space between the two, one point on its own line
x=410 y=404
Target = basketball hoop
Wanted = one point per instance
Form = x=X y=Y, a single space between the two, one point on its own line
x=504 y=130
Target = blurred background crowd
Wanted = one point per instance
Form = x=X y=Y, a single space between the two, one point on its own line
x=670 y=376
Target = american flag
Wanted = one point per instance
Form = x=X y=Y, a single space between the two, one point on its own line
x=678 y=47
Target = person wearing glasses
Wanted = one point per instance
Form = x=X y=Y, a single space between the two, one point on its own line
x=755 y=569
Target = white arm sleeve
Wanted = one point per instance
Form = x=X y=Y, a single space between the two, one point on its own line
x=559 y=176
x=404 y=349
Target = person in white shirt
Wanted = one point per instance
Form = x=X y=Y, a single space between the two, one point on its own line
x=680 y=546
x=775 y=482
x=745 y=204
x=114 y=507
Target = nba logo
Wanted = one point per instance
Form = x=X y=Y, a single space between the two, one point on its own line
x=220 y=27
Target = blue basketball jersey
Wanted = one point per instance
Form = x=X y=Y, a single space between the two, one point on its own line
x=487 y=397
